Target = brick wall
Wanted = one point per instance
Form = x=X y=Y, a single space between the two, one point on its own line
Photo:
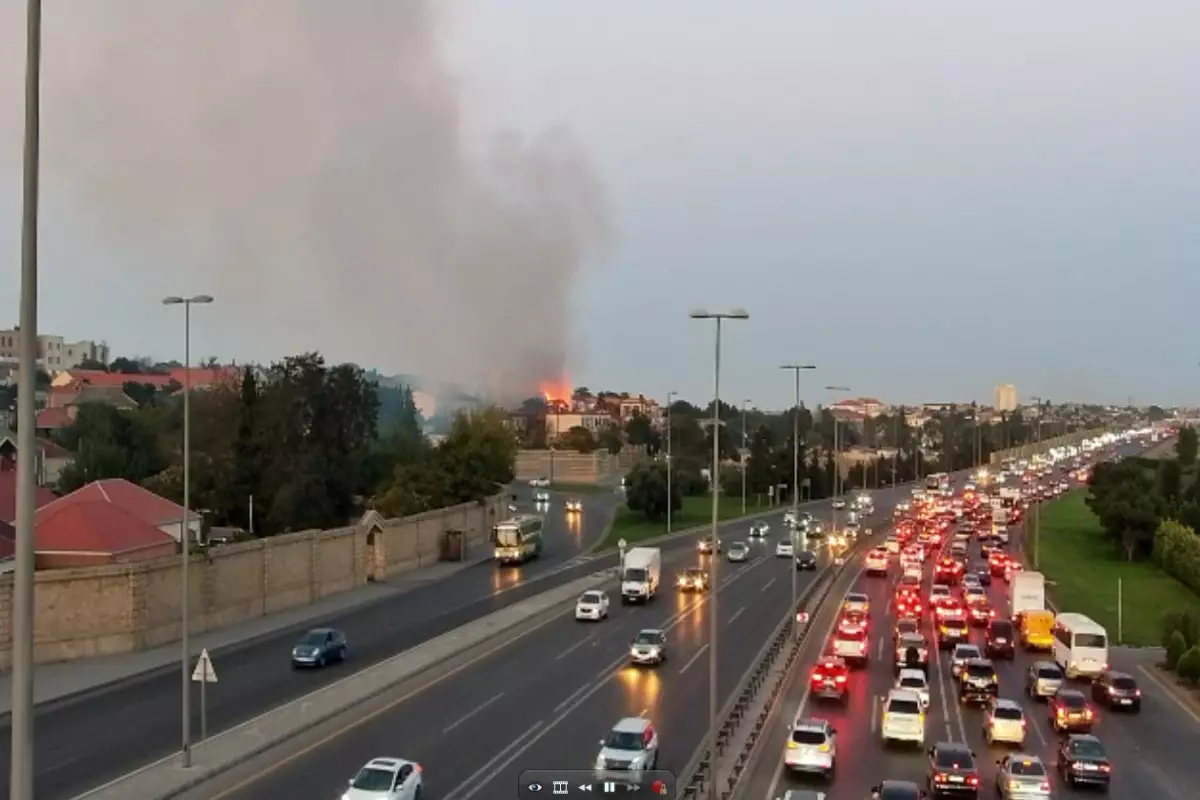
x=117 y=608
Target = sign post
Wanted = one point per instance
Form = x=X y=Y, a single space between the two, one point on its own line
x=204 y=674
x=621 y=545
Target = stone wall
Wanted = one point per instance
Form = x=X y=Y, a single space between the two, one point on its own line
x=1035 y=448
x=117 y=608
x=570 y=467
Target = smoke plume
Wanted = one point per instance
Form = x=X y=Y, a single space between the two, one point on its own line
x=306 y=160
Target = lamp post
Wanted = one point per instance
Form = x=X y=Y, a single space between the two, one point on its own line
x=1037 y=507
x=713 y=626
x=796 y=369
x=20 y=779
x=670 y=397
x=837 y=465
x=185 y=533
x=742 y=455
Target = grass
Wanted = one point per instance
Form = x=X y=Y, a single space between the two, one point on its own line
x=1084 y=566
x=633 y=527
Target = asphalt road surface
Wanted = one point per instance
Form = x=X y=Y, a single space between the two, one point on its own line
x=1153 y=753
x=84 y=741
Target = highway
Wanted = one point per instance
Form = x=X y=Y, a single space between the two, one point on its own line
x=1153 y=753
x=545 y=700
x=78 y=745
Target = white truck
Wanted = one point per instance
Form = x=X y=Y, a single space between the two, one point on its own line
x=641 y=574
x=1028 y=592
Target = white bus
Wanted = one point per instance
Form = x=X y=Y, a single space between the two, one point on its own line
x=518 y=539
x=1080 y=645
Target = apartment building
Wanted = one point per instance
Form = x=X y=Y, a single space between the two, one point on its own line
x=54 y=351
x=1006 y=397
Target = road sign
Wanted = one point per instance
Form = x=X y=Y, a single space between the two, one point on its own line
x=204 y=672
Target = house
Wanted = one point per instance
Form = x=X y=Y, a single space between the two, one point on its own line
x=8 y=492
x=88 y=532
x=8 y=540
x=64 y=402
x=197 y=377
x=859 y=408
x=141 y=503
x=51 y=457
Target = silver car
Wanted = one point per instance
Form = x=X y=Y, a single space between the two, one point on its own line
x=1043 y=680
x=738 y=552
x=630 y=750
x=1022 y=776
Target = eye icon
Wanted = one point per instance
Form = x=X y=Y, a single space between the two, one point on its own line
x=535 y=787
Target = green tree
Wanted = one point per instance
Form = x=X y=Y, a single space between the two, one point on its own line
x=762 y=462
x=1170 y=479
x=1188 y=665
x=610 y=439
x=640 y=432
x=577 y=438
x=477 y=456
x=646 y=490
x=93 y=364
x=1186 y=446
x=108 y=443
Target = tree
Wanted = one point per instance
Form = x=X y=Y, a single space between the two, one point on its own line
x=646 y=490
x=577 y=438
x=1186 y=446
x=640 y=432
x=93 y=364
x=610 y=439
x=761 y=465
x=108 y=443
x=1170 y=479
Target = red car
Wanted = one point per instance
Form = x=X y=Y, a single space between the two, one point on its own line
x=980 y=613
x=853 y=622
x=830 y=678
x=947 y=571
x=907 y=605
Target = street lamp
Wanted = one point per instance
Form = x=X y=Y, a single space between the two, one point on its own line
x=20 y=779
x=742 y=455
x=713 y=626
x=670 y=396
x=837 y=464
x=1037 y=507
x=185 y=534
x=803 y=543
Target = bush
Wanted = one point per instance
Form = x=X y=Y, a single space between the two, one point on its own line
x=1172 y=621
x=1188 y=667
x=1177 y=552
x=1176 y=647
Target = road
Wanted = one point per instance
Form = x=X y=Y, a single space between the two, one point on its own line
x=547 y=699
x=1153 y=752
x=78 y=745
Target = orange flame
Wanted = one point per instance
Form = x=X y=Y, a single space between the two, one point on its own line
x=556 y=391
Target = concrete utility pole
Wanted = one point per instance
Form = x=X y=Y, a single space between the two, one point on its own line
x=837 y=463
x=796 y=369
x=743 y=454
x=670 y=467
x=714 y=709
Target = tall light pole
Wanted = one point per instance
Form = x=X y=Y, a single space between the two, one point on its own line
x=670 y=397
x=1037 y=507
x=713 y=626
x=743 y=453
x=837 y=464
x=20 y=779
x=796 y=369
x=185 y=533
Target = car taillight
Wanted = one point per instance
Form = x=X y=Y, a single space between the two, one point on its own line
x=1045 y=787
x=840 y=679
x=972 y=780
x=1105 y=768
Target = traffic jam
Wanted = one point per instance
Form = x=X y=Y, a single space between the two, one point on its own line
x=946 y=675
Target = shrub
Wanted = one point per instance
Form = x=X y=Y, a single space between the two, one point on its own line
x=1177 y=552
x=1176 y=647
x=1188 y=667
x=1172 y=621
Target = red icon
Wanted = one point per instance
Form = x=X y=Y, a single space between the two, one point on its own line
x=659 y=787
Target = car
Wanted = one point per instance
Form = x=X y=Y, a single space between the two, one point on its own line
x=969 y=580
x=856 y=601
x=947 y=571
x=541 y=497
x=895 y=790
x=738 y=552
x=979 y=612
x=938 y=591
x=949 y=608
x=812 y=747
x=386 y=779
x=906 y=605
x=903 y=718
x=707 y=545
x=1022 y=776
x=912 y=652
x=1043 y=679
x=592 y=605
x=631 y=747
x=960 y=656
x=1081 y=759
x=830 y=679
x=983 y=574
x=839 y=503
x=802 y=794
x=911 y=571
x=853 y=621
x=958 y=549
x=319 y=647
x=693 y=579
x=785 y=549
x=952 y=771
x=892 y=545
x=1069 y=711
x=978 y=681
x=1004 y=721
x=905 y=625
x=1000 y=638
x=974 y=593
x=574 y=506
x=1117 y=690
x=852 y=645
x=649 y=648
x=877 y=562
x=806 y=560
x=759 y=530
x=540 y=482
x=914 y=680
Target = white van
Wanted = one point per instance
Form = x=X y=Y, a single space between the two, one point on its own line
x=1080 y=646
x=903 y=717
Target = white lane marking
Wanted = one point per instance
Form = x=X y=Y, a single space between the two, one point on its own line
x=941 y=682
x=529 y=735
x=767 y=585
x=694 y=658
x=736 y=614
x=476 y=710
x=575 y=646
x=572 y=696
x=879 y=655
x=875 y=701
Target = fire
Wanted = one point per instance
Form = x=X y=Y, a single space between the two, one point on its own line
x=555 y=391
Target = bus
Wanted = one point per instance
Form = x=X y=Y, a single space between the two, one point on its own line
x=939 y=481
x=1080 y=646
x=518 y=539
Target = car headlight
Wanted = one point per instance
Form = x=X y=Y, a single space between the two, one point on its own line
x=601 y=763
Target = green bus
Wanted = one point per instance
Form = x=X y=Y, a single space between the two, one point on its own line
x=518 y=539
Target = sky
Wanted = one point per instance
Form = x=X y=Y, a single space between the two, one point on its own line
x=923 y=199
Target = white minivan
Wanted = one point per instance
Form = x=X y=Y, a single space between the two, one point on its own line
x=1080 y=646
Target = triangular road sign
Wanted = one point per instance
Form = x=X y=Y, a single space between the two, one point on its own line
x=204 y=672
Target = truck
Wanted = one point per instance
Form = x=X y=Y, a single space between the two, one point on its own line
x=1028 y=592
x=641 y=574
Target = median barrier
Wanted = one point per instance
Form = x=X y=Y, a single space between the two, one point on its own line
x=166 y=778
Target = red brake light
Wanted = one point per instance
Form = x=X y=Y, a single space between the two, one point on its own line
x=973 y=780
x=1045 y=786
x=840 y=679
x=418 y=768
x=1105 y=768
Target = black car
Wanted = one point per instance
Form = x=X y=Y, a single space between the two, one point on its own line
x=806 y=559
x=1117 y=690
x=1000 y=639
x=952 y=771
x=1082 y=760
x=897 y=790
x=1069 y=712
x=982 y=572
x=979 y=682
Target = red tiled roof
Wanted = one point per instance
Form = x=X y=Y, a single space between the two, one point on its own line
x=8 y=493
x=141 y=503
x=95 y=526
x=206 y=376
x=53 y=419
x=52 y=449
x=200 y=376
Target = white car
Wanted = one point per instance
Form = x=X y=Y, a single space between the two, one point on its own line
x=630 y=749
x=912 y=570
x=785 y=549
x=540 y=482
x=592 y=605
x=812 y=747
x=939 y=591
x=914 y=680
x=1004 y=721
x=574 y=506
x=877 y=562
x=903 y=718
x=541 y=497
x=839 y=503
x=759 y=530
x=856 y=601
x=386 y=779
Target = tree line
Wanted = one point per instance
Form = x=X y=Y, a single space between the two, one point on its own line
x=299 y=444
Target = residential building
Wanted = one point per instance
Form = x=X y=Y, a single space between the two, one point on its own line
x=141 y=503
x=90 y=532
x=560 y=422
x=858 y=408
x=8 y=541
x=54 y=351
x=8 y=492
x=199 y=378
x=51 y=457
x=1006 y=397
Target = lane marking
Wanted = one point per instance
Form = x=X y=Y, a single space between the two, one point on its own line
x=476 y=710
x=767 y=585
x=531 y=732
x=875 y=702
x=735 y=615
x=1170 y=693
x=571 y=697
x=575 y=646
x=879 y=655
x=694 y=658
